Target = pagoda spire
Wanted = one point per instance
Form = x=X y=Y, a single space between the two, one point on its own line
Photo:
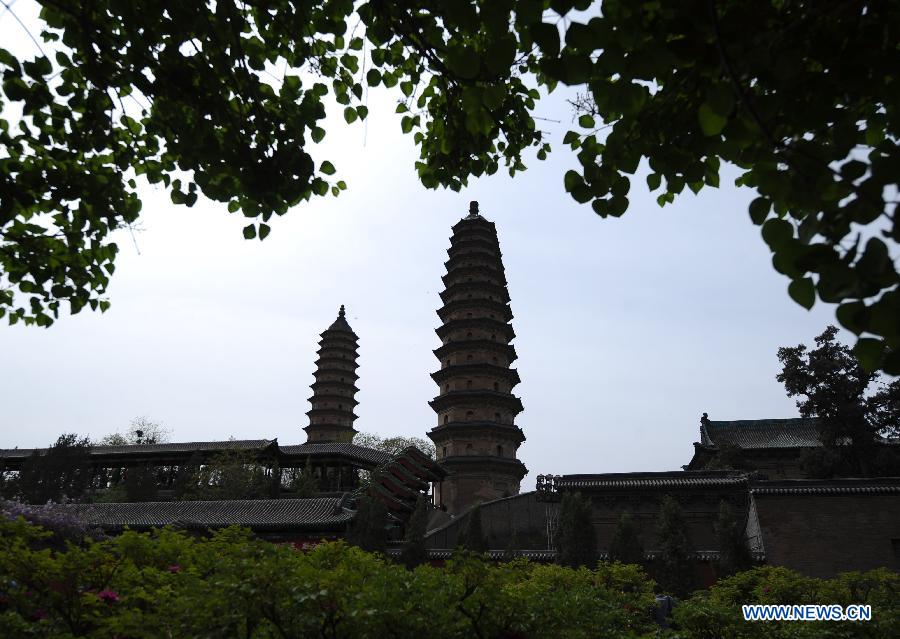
x=476 y=437
x=331 y=418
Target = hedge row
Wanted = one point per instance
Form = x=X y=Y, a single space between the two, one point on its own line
x=169 y=584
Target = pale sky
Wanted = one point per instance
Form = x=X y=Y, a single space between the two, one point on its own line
x=627 y=329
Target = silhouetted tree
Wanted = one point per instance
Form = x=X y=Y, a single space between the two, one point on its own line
x=734 y=553
x=141 y=430
x=230 y=474
x=513 y=545
x=140 y=483
x=186 y=477
x=414 y=551
x=675 y=573
x=368 y=530
x=576 y=543
x=626 y=545
x=302 y=481
x=472 y=538
x=838 y=392
x=394 y=445
x=61 y=471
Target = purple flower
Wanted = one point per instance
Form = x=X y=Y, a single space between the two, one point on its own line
x=108 y=596
x=38 y=614
x=174 y=568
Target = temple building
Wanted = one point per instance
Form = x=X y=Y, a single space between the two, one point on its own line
x=476 y=437
x=814 y=525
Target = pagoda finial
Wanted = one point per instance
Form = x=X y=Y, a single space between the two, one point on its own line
x=473 y=208
x=341 y=312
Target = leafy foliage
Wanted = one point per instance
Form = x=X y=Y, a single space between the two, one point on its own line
x=230 y=585
x=168 y=583
x=301 y=482
x=472 y=536
x=394 y=445
x=151 y=432
x=61 y=472
x=626 y=545
x=185 y=96
x=838 y=392
x=231 y=474
x=735 y=555
x=414 y=551
x=369 y=528
x=717 y=612
x=576 y=542
x=675 y=572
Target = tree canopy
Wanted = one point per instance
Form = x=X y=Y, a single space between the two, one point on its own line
x=854 y=407
x=227 y=99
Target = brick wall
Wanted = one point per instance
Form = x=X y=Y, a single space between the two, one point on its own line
x=821 y=535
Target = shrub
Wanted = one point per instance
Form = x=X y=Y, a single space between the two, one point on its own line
x=228 y=584
x=717 y=612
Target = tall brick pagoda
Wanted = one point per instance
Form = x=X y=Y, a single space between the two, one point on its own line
x=331 y=418
x=476 y=437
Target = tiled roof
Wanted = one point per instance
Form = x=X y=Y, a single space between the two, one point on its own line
x=174 y=447
x=351 y=451
x=662 y=480
x=761 y=433
x=261 y=514
x=885 y=485
x=550 y=555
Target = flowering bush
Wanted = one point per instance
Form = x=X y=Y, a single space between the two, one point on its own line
x=228 y=584
x=60 y=522
x=170 y=584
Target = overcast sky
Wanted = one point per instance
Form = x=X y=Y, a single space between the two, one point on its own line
x=627 y=329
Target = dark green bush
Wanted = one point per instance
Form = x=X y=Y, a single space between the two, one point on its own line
x=228 y=584
x=169 y=584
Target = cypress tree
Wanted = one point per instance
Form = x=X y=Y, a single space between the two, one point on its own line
x=414 y=551
x=140 y=483
x=576 y=543
x=675 y=572
x=472 y=538
x=734 y=553
x=63 y=471
x=626 y=543
x=368 y=530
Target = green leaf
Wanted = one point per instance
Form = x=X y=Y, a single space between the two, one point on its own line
x=350 y=115
x=464 y=62
x=586 y=121
x=711 y=123
x=264 y=231
x=547 y=38
x=653 y=181
x=249 y=232
x=852 y=316
x=803 y=292
x=759 y=210
x=373 y=77
x=777 y=232
x=317 y=134
x=327 y=168
x=868 y=351
x=572 y=180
